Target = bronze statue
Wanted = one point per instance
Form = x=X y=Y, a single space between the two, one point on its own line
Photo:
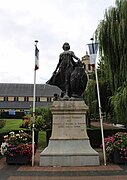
x=64 y=74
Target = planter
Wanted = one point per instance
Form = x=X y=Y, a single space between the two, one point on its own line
x=18 y=159
x=117 y=158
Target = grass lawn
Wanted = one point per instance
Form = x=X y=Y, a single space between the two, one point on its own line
x=14 y=124
x=42 y=139
x=11 y=124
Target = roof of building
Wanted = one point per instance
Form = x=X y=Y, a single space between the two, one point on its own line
x=22 y=90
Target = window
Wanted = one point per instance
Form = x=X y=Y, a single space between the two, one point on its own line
x=1 y=98
x=43 y=99
x=20 y=98
x=10 y=98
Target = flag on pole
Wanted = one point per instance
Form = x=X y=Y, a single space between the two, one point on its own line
x=36 y=58
x=93 y=52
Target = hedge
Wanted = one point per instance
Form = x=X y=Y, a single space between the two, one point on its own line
x=18 y=115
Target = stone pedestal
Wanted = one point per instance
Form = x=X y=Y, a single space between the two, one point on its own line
x=69 y=144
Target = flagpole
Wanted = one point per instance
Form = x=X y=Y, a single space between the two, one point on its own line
x=100 y=113
x=101 y=117
x=33 y=123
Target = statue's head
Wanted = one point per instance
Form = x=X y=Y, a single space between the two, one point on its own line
x=66 y=46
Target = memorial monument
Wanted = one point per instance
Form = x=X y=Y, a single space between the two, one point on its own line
x=69 y=144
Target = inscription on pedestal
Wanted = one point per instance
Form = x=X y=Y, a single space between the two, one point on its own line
x=70 y=122
x=69 y=127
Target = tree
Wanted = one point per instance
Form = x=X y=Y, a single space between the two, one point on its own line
x=120 y=105
x=90 y=97
x=112 y=37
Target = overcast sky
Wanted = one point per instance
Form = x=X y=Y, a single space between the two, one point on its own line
x=51 y=22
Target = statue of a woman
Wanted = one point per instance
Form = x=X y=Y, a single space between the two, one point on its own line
x=62 y=73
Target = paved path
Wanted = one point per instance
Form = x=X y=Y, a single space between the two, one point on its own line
x=105 y=125
x=18 y=172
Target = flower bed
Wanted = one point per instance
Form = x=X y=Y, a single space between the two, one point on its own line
x=17 y=147
x=116 y=144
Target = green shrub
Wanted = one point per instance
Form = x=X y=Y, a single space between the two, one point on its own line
x=26 y=121
x=2 y=123
x=39 y=123
x=43 y=120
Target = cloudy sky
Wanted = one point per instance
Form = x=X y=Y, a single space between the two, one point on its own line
x=51 y=22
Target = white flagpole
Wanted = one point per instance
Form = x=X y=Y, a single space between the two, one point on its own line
x=100 y=113
x=33 y=123
x=101 y=117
